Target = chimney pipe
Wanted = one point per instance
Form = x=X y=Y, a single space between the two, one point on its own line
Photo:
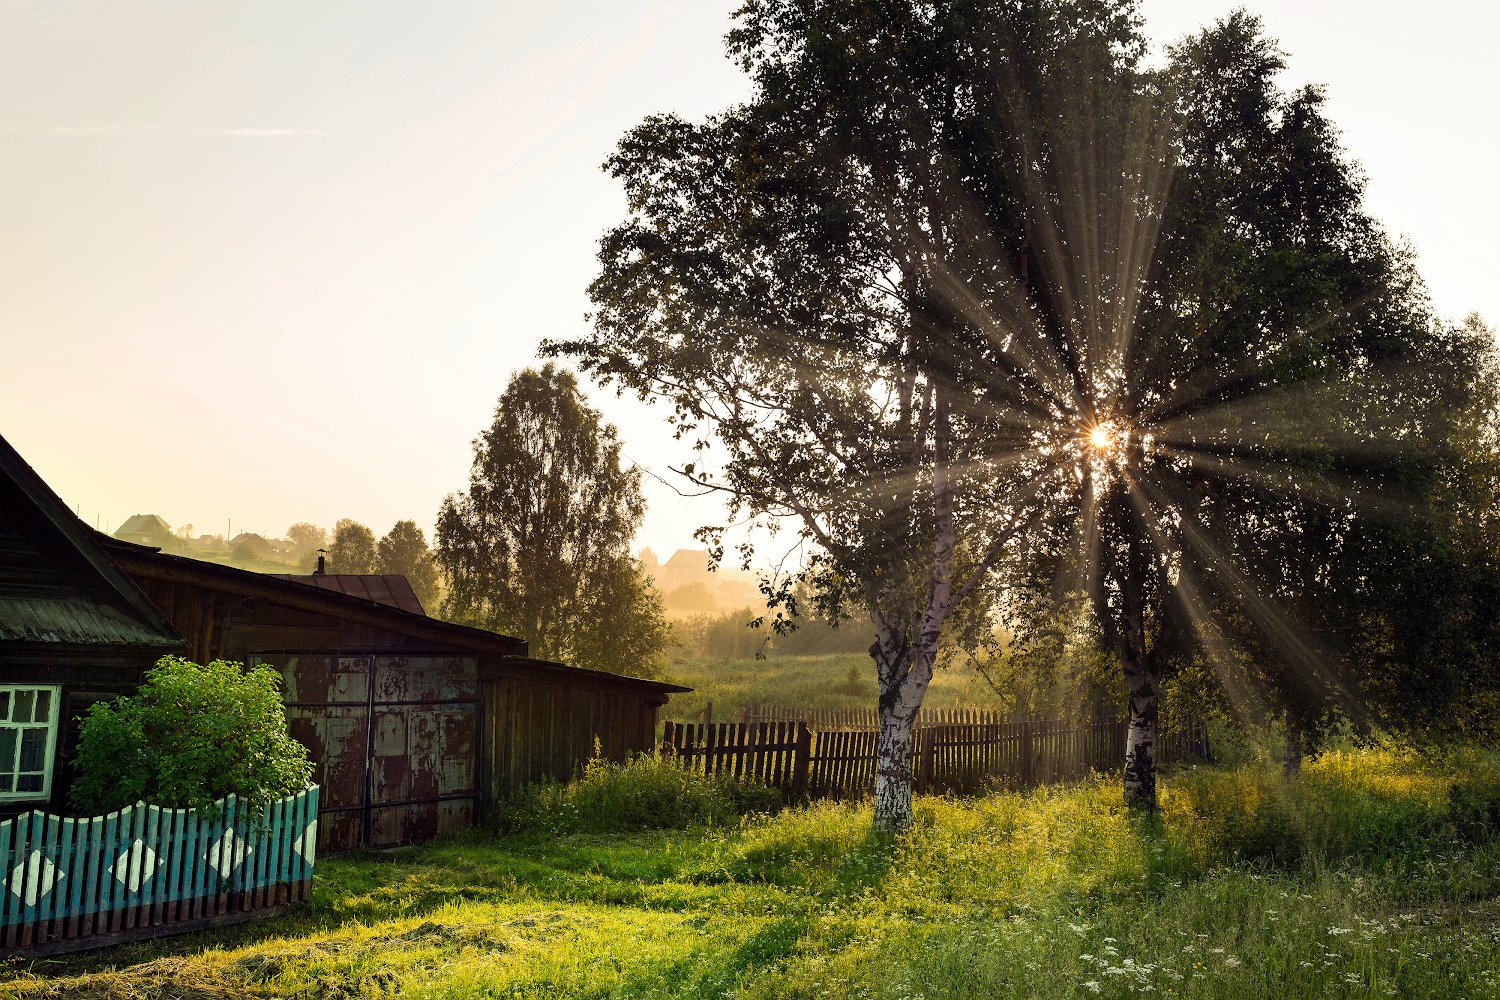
x=320 y=570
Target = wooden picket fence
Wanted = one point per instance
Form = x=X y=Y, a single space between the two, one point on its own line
x=67 y=884
x=959 y=751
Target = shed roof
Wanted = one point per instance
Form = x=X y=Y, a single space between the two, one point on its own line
x=383 y=588
x=146 y=562
x=57 y=586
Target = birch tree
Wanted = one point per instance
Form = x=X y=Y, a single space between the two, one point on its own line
x=829 y=283
x=538 y=546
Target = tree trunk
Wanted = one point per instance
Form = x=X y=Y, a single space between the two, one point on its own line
x=1142 y=679
x=1291 y=754
x=893 y=772
x=904 y=675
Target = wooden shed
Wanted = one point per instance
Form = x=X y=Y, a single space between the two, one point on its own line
x=417 y=724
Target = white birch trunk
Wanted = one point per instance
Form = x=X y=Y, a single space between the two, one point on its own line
x=1140 y=737
x=893 y=774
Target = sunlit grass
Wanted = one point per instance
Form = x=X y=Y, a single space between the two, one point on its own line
x=1358 y=879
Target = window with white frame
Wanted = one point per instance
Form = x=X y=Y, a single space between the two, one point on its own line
x=28 y=737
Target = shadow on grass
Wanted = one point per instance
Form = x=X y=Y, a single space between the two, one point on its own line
x=688 y=978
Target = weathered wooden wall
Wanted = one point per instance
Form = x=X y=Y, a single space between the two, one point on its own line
x=224 y=625
x=535 y=728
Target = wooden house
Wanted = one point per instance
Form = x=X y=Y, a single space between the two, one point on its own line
x=416 y=725
x=74 y=629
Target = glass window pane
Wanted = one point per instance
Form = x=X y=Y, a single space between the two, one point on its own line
x=21 y=711
x=43 y=711
x=8 y=737
x=4 y=705
x=33 y=749
x=5 y=781
x=29 y=783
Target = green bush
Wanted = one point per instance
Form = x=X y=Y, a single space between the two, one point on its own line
x=1380 y=801
x=189 y=736
x=650 y=791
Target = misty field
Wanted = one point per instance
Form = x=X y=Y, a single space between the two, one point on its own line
x=1376 y=874
x=836 y=681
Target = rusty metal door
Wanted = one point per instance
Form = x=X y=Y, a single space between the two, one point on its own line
x=393 y=740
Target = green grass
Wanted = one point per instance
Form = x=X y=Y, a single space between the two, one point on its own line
x=1367 y=878
x=814 y=682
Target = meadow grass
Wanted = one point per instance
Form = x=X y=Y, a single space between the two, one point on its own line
x=1368 y=877
x=808 y=682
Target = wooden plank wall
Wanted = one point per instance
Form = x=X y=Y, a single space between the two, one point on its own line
x=543 y=728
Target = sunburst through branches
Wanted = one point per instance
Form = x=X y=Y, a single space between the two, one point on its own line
x=999 y=316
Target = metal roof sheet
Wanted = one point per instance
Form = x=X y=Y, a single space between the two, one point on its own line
x=75 y=622
x=390 y=589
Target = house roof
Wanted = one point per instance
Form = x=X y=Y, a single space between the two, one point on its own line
x=146 y=562
x=57 y=586
x=383 y=588
x=144 y=524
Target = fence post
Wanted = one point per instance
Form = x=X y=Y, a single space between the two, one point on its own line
x=708 y=712
x=1028 y=760
x=801 y=761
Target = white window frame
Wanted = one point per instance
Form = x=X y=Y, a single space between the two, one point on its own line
x=55 y=705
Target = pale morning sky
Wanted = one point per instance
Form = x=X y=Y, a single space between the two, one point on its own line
x=274 y=261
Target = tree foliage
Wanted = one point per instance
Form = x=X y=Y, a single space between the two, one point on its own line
x=538 y=546
x=189 y=736
x=352 y=549
x=830 y=281
x=979 y=299
x=403 y=551
x=307 y=538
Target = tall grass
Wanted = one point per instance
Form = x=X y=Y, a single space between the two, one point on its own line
x=649 y=792
x=1367 y=877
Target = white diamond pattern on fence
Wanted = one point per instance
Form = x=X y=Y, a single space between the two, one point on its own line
x=134 y=866
x=226 y=854
x=306 y=844
x=63 y=877
x=38 y=875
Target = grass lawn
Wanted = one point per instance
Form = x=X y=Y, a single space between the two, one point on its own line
x=813 y=682
x=1362 y=880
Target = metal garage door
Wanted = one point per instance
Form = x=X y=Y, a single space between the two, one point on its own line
x=394 y=740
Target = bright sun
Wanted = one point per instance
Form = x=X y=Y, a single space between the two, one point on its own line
x=1101 y=437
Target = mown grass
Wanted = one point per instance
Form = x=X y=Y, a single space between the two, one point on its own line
x=811 y=682
x=1368 y=877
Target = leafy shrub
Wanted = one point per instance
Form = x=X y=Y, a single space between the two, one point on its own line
x=649 y=791
x=189 y=736
x=1380 y=801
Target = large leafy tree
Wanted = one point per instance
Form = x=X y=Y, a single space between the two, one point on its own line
x=352 y=549
x=964 y=281
x=403 y=551
x=831 y=281
x=538 y=546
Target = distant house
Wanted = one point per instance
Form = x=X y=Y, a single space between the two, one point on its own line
x=147 y=529
x=247 y=546
x=74 y=629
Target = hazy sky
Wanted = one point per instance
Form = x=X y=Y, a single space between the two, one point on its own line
x=274 y=261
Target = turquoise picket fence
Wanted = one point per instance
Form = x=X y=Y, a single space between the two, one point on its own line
x=72 y=883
